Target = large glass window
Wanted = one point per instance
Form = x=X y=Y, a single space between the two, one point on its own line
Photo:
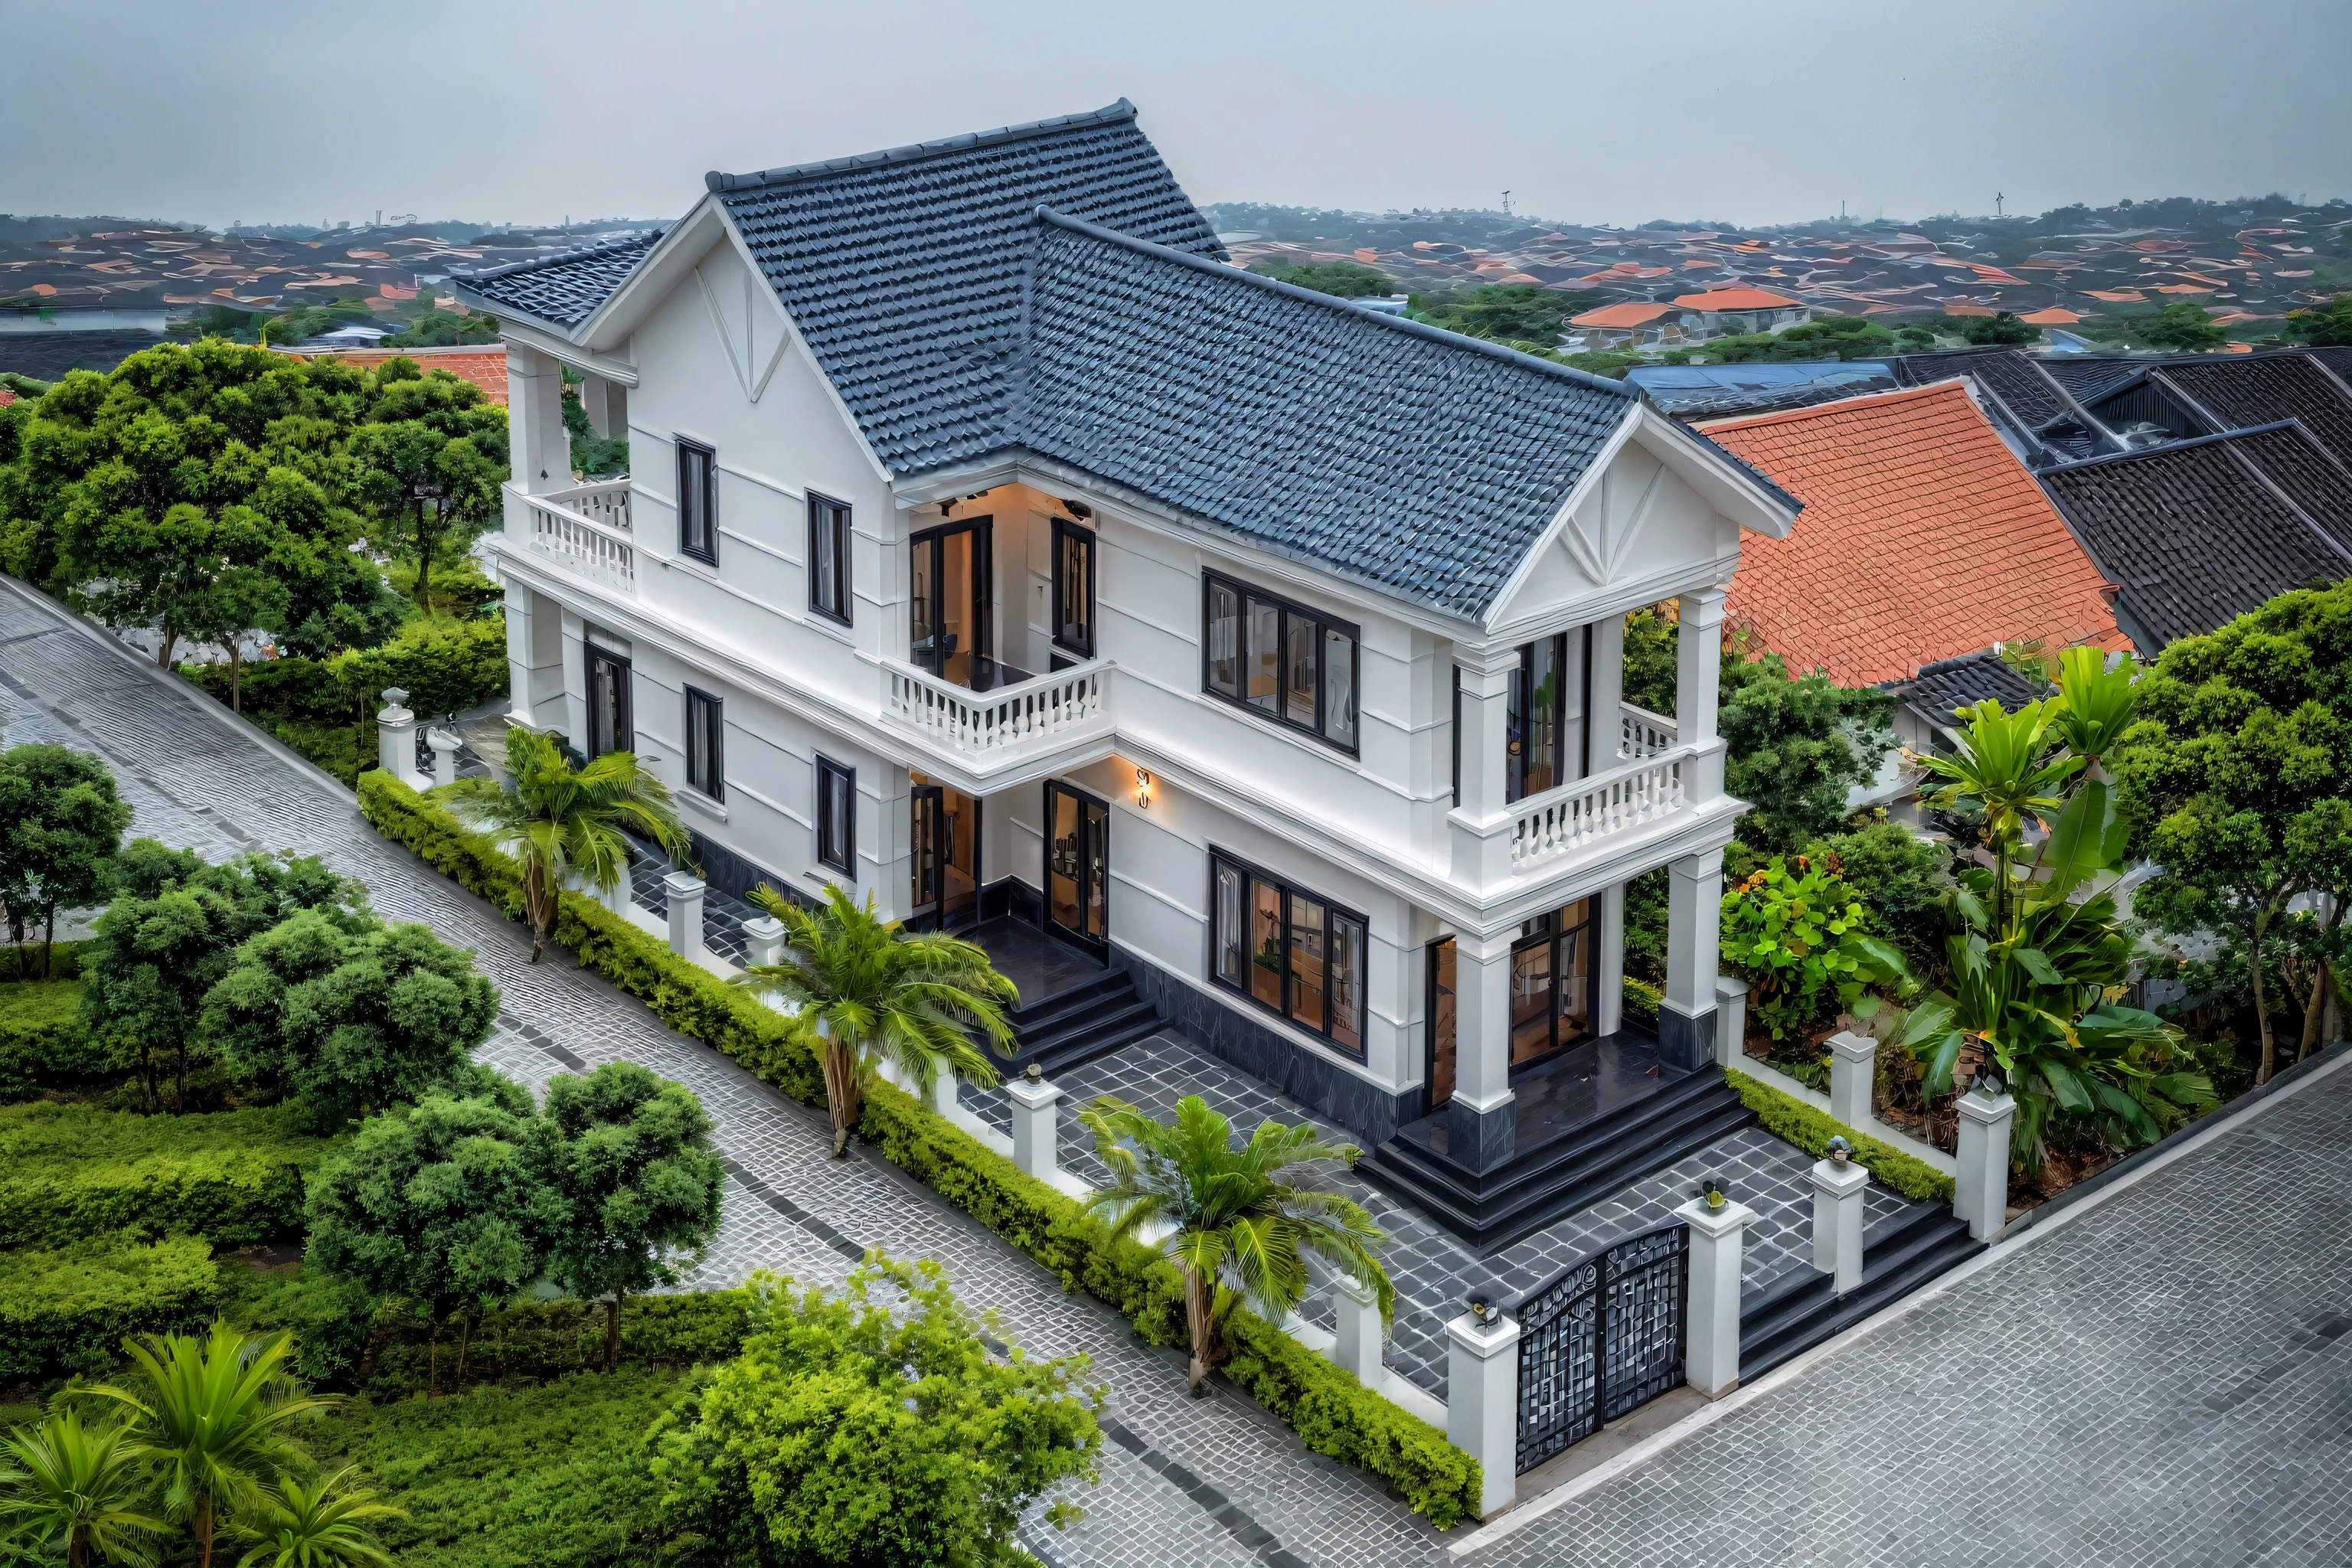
x=705 y=742
x=1074 y=589
x=1289 y=950
x=612 y=727
x=697 y=502
x=1290 y=663
x=1545 y=738
x=836 y=816
x=829 y=557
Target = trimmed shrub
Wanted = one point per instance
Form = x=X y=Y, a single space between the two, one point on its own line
x=1642 y=1002
x=1794 y=1122
x=24 y=963
x=1333 y=1412
x=42 y=1042
x=67 y=1172
x=66 y=1310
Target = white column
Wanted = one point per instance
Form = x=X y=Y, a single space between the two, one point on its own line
x=606 y=403
x=534 y=660
x=685 y=893
x=444 y=744
x=1358 y=1347
x=764 y=937
x=1608 y=1004
x=1037 y=1135
x=1837 y=1220
x=1482 y=1119
x=1980 y=1191
x=1481 y=824
x=540 y=448
x=1698 y=680
x=395 y=740
x=1482 y=1402
x=1730 y=1019
x=1711 y=1339
x=1608 y=691
x=1853 y=1063
x=1694 y=930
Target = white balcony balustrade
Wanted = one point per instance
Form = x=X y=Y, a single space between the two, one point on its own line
x=1641 y=733
x=586 y=528
x=1045 y=709
x=1561 y=821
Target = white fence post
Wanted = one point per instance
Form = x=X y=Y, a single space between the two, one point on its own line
x=764 y=937
x=1853 y=1063
x=395 y=739
x=1711 y=1344
x=1838 y=1185
x=1358 y=1352
x=1482 y=1402
x=684 y=914
x=444 y=746
x=1730 y=1020
x=1980 y=1191
x=1036 y=1134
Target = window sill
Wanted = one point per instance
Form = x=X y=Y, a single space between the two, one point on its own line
x=703 y=802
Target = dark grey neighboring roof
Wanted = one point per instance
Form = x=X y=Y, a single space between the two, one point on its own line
x=2196 y=532
x=2245 y=390
x=2089 y=377
x=562 y=290
x=1713 y=391
x=2336 y=357
x=903 y=269
x=2020 y=393
x=1940 y=688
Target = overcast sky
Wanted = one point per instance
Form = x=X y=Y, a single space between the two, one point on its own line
x=504 y=111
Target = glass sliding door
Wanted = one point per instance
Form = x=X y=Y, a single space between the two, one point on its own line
x=951 y=627
x=1078 y=868
x=945 y=837
x=610 y=727
x=1552 y=975
x=1441 y=1022
x=1545 y=738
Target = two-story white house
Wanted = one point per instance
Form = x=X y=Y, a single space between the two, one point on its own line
x=995 y=549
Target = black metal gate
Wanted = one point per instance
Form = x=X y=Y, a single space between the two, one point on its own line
x=1603 y=1338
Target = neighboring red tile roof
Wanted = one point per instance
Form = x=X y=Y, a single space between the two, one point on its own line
x=1734 y=300
x=1922 y=538
x=1633 y=313
x=486 y=368
x=2053 y=317
x=6 y=397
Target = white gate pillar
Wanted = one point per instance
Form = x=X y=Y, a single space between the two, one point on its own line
x=1980 y=1193
x=684 y=893
x=1838 y=1185
x=1853 y=1067
x=395 y=740
x=1711 y=1314
x=1036 y=1133
x=1358 y=1347
x=1482 y=1402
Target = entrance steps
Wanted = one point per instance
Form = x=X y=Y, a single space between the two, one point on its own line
x=1076 y=1025
x=1800 y=1310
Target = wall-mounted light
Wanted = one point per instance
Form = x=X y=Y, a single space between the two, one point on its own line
x=1142 y=790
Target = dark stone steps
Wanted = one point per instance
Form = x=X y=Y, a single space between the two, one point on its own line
x=1789 y=1316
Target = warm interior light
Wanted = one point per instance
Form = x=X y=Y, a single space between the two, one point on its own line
x=1142 y=790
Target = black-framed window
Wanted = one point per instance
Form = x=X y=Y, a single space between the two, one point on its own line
x=836 y=816
x=1073 y=588
x=612 y=724
x=1546 y=725
x=828 y=557
x=1292 y=952
x=698 y=501
x=1296 y=665
x=706 y=744
x=1457 y=735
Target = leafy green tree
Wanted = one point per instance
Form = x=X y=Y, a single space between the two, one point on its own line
x=317 y=1524
x=872 y=991
x=444 y=329
x=1801 y=933
x=2234 y=781
x=628 y=1155
x=2002 y=327
x=60 y=825
x=1347 y=279
x=81 y=1489
x=852 y=1432
x=2180 y=327
x=1795 y=746
x=2036 y=947
x=1915 y=340
x=171 y=935
x=1242 y=1227
x=593 y=455
x=1504 y=312
x=212 y=1412
x=1831 y=337
x=2328 y=326
x=349 y=1013
x=440 y=1203
x=1904 y=880
x=432 y=452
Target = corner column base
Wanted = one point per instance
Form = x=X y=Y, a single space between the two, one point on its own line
x=1685 y=1041
x=1479 y=1140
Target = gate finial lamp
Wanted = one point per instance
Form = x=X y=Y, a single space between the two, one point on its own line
x=1714 y=1193
x=1483 y=1309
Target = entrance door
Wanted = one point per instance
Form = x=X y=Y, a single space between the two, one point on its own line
x=946 y=840
x=949 y=592
x=1552 y=975
x=1078 y=868
x=610 y=726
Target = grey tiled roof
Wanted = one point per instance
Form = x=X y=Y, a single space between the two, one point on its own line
x=563 y=289
x=2193 y=532
x=2247 y=390
x=2090 y=377
x=1953 y=683
x=2024 y=394
x=1417 y=459
x=903 y=269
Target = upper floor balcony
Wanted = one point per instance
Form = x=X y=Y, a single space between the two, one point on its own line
x=584 y=529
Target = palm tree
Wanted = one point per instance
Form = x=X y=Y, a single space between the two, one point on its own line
x=871 y=989
x=213 y=1414
x=1241 y=1229
x=2008 y=771
x=560 y=821
x=74 y=1486
x=298 y=1526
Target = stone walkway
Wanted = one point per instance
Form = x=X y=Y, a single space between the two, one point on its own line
x=2164 y=1379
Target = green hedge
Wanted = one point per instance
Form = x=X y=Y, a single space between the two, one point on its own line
x=24 y=963
x=66 y=1310
x=1641 y=1001
x=72 y=1171
x=1811 y=1130
x=1333 y=1412
x=42 y=1042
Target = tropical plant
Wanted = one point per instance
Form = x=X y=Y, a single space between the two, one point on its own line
x=1797 y=932
x=60 y=824
x=1241 y=1228
x=852 y=1432
x=2038 y=953
x=81 y=1488
x=317 y=1524
x=560 y=822
x=628 y=1154
x=212 y=1412
x=872 y=991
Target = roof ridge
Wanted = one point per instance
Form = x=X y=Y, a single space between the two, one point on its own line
x=1782 y=415
x=1110 y=114
x=484 y=274
x=1329 y=302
